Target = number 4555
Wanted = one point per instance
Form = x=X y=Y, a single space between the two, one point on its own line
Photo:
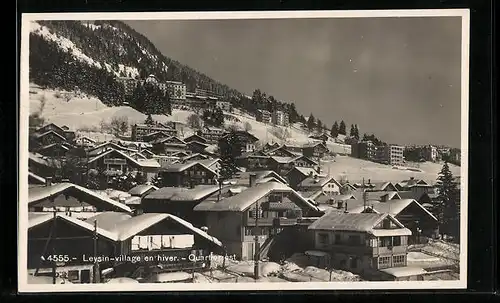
x=58 y=258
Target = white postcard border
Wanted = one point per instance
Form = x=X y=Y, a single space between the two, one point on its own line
x=24 y=287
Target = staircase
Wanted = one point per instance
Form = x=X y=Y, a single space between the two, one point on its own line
x=264 y=248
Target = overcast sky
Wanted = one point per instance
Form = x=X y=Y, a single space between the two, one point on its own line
x=396 y=77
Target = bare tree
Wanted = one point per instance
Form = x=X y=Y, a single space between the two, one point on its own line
x=119 y=125
x=194 y=121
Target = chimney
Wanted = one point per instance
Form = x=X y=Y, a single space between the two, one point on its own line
x=253 y=179
x=48 y=181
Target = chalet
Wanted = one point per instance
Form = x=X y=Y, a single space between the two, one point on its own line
x=178 y=201
x=85 y=141
x=282 y=151
x=182 y=154
x=253 y=161
x=47 y=138
x=298 y=174
x=67 y=134
x=361 y=243
x=418 y=187
x=325 y=184
x=149 y=154
x=347 y=188
x=107 y=146
x=251 y=178
x=194 y=157
x=128 y=238
x=118 y=162
x=142 y=190
x=70 y=199
x=247 y=140
x=166 y=161
x=211 y=134
x=298 y=150
x=270 y=146
x=281 y=165
x=197 y=147
x=55 y=150
x=196 y=138
x=156 y=136
x=322 y=137
x=409 y=212
x=379 y=186
x=272 y=206
x=315 y=150
x=187 y=175
x=139 y=146
x=168 y=146
x=213 y=164
x=303 y=161
x=141 y=130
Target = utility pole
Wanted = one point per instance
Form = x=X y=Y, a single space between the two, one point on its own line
x=364 y=195
x=54 y=265
x=256 y=254
x=96 y=264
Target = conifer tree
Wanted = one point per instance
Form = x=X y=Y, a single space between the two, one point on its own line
x=335 y=130
x=230 y=148
x=342 y=129
x=311 y=122
x=448 y=207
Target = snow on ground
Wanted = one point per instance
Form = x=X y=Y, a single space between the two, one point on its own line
x=357 y=169
x=246 y=268
x=442 y=249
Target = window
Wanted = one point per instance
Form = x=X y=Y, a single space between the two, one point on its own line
x=337 y=239
x=398 y=260
x=396 y=241
x=323 y=238
x=354 y=240
x=384 y=261
x=385 y=241
x=73 y=275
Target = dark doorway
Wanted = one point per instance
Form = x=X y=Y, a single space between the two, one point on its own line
x=85 y=276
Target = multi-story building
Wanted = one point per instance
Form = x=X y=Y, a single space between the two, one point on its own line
x=263 y=116
x=429 y=153
x=363 y=150
x=272 y=205
x=176 y=91
x=128 y=83
x=212 y=134
x=280 y=118
x=393 y=154
x=141 y=130
x=224 y=105
x=365 y=243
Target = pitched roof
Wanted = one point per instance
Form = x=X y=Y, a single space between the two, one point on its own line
x=120 y=227
x=182 y=166
x=39 y=135
x=182 y=194
x=317 y=181
x=36 y=178
x=249 y=196
x=244 y=177
x=38 y=194
x=141 y=189
x=53 y=145
x=177 y=140
x=306 y=171
x=152 y=163
x=187 y=158
x=282 y=160
x=393 y=207
x=43 y=160
x=195 y=137
x=356 y=222
x=36 y=220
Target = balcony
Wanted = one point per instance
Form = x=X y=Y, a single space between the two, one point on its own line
x=270 y=221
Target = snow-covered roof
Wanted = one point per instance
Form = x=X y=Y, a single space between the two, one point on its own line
x=120 y=227
x=317 y=181
x=246 y=198
x=358 y=222
x=282 y=160
x=39 y=135
x=38 y=194
x=182 y=194
x=37 y=178
x=141 y=189
x=405 y=271
x=152 y=163
x=393 y=207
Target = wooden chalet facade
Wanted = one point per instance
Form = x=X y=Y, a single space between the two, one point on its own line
x=211 y=134
x=168 y=146
x=187 y=175
x=139 y=131
x=315 y=150
x=274 y=206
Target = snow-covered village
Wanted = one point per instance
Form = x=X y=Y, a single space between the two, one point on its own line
x=145 y=170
